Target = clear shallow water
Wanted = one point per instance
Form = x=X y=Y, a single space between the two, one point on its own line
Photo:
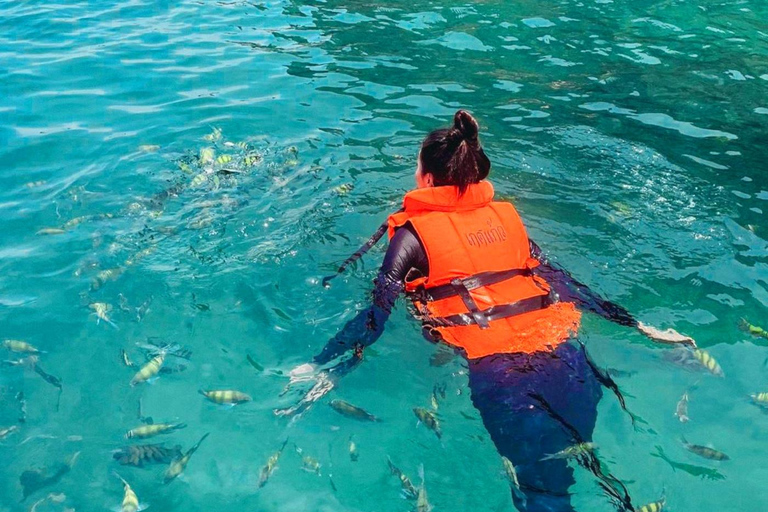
x=629 y=135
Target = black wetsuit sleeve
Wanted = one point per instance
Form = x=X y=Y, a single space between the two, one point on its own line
x=569 y=289
x=404 y=253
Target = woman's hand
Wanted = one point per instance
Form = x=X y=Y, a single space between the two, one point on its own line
x=670 y=336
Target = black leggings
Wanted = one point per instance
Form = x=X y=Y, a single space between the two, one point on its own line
x=534 y=405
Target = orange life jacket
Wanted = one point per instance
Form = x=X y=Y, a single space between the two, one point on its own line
x=480 y=294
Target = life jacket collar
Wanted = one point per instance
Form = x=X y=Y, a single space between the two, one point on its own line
x=447 y=198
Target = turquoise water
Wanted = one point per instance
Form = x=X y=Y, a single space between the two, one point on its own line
x=630 y=135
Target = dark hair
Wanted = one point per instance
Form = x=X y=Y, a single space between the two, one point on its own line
x=453 y=156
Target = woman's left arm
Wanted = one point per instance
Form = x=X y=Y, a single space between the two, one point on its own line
x=569 y=289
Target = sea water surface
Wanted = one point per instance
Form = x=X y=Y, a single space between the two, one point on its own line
x=630 y=135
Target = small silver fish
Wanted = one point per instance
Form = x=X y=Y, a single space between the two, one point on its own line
x=572 y=451
x=682 y=408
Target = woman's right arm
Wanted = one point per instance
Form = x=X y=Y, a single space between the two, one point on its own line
x=404 y=253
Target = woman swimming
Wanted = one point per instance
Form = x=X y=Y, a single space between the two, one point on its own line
x=480 y=285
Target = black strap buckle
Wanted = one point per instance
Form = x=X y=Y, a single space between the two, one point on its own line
x=462 y=291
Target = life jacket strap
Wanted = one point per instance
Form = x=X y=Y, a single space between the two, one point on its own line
x=460 y=289
x=494 y=312
x=476 y=281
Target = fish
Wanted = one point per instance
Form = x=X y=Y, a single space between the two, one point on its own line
x=429 y=419
x=148 y=148
x=5 y=432
x=26 y=362
x=422 y=502
x=351 y=411
x=682 y=408
x=33 y=480
x=433 y=400
x=50 y=231
x=102 y=309
x=35 y=184
x=206 y=155
x=353 y=455
x=47 y=377
x=310 y=464
x=199 y=180
x=708 y=361
x=126 y=360
x=146 y=431
x=705 y=451
x=178 y=465
x=514 y=483
x=760 y=399
x=103 y=277
x=225 y=397
x=691 y=469
x=140 y=454
x=344 y=189
x=572 y=451
x=754 y=330
x=409 y=491
x=130 y=500
x=656 y=506
x=253 y=363
x=72 y=223
x=149 y=370
x=251 y=160
x=143 y=309
x=223 y=159
x=214 y=136
x=20 y=346
x=270 y=466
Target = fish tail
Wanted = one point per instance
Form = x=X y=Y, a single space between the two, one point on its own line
x=113 y=324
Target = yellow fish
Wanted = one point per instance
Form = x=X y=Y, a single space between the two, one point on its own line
x=148 y=148
x=214 y=136
x=130 y=500
x=760 y=398
x=20 y=346
x=708 y=361
x=270 y=466
x=656 y=506
x=177 y=466
x=206 y=156
x=225 y=397
x=224 y=159
x=199 y=180
x=101 y=310
x=155 y=429
x=149 y=370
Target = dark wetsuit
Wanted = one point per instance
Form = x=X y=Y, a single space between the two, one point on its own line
x=533 y=405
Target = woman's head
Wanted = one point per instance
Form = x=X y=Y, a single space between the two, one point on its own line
x=453 y=156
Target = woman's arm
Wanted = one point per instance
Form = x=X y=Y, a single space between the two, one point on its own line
x=404 y=253
x=570 y=290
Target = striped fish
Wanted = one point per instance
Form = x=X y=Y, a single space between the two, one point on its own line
x=225 y=397
x=656 y=506
x=146 y=431
x=708 y=361
x=149 y=370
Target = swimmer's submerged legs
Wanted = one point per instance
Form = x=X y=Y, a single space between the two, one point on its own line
x=534 y=405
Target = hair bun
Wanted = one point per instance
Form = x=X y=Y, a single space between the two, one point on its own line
x=466 y=125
